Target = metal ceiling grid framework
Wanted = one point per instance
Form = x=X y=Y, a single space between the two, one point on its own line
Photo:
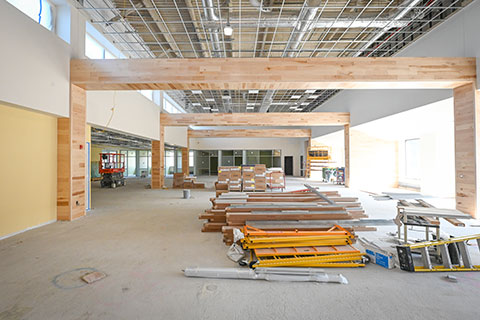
x=268 y=28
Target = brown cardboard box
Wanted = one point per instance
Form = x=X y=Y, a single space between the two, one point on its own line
x=235 y=175
x=260 y=179
x=260 y=168
x=248 y=175
x=224 y=175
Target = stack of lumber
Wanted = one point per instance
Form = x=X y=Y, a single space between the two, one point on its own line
x=181 y=181
x=234 y=209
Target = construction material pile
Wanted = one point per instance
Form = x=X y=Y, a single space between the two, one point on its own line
x=230 y=210
x=238 y=178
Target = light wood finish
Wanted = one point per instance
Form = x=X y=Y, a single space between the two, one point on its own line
x=272 y=73
x=158 y=160
x=71 y=158
x=256 y=119
x=256 y=133
x=466 y=102
x=185 y=162
x=346 y=132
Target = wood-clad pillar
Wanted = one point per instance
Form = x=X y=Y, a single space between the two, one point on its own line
x=158 y=159
x=466 y=101
x=185 y=162
x=71 y=187
x=346 y=130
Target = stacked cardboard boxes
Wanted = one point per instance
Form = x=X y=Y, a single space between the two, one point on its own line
x=275 y=178
x=260 y=181
x=248 y=176
x=235 y=182
x=223 y=174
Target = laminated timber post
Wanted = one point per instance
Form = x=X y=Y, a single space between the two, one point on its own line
x=71 y=159
x=185 y=157
x=346 y=132
x=467 y=145
x=158 y=159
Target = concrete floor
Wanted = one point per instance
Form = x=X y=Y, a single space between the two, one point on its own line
x=143 y=238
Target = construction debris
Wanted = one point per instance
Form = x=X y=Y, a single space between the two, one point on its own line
x=269 y=274
x=93 y=277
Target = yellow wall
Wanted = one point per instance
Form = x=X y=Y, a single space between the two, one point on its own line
x=28 y=164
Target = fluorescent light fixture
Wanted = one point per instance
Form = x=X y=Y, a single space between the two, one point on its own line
x=251 y=103
x=196 y=104
x=210 y=100
x=250 y=108
x=215 y=110
x=253 y=91
x=313 y=97
x=304 y=103
x=206 y=108
x=226 y=97
x=280 y=103
x=228 y=30
x=197 y=91
x=295 y=97
x=292 y=108
x=310 y=91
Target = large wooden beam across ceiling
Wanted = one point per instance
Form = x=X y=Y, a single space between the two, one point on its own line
x=251 y=133
x=272 y=73
x=282 y=119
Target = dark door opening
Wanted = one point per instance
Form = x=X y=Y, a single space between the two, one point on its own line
x=289 y=166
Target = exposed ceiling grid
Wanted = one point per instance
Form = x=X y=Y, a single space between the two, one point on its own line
x=264 y=28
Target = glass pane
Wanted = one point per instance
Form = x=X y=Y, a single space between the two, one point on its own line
x=132 y=166
x=143 y=162
x=265 y=152
x=131 y=153
x=277 y=162
x=143 y=153
x=277 y=153
x=227 y=153
x=93 y=49
x=238 y=153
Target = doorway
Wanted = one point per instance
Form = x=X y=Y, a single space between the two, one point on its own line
x=288 y=165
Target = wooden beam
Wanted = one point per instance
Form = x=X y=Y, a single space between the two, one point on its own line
x=254 y=133
x=272 y=73
x=346 y=131
x=256 y=119
x=71 y=186
x=466 y=102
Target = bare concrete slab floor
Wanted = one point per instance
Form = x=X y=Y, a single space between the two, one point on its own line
x=143 y=238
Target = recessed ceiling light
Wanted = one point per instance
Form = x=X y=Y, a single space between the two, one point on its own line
x=196 y=104
x=310 y=91
x=295 y=97
x=210 y=100
x=252 y=91
x=197 y=91
x=313 y=97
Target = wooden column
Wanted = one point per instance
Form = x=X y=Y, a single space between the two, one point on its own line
x=346 y=130
x=185 y=162
x=71 y=186
x=158 y=159
x=466 y=101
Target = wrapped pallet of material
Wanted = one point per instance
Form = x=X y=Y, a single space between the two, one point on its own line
x=223 y=174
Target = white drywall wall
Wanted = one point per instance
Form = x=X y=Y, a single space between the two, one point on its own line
x=177 y=136
x=133 y=113
x=34 y=64
x=290 y=146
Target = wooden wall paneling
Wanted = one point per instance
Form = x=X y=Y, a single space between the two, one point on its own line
x=158 y=159
x=346 y=131
x=71 y=188
x=185 y=161
x=466 y=101
x=272 y=73
x=257 y=133
x=256 y=119
x=63 y=169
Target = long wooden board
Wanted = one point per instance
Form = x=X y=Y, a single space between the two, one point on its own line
x=272 y=73
x=256 y=119
x=255 y=133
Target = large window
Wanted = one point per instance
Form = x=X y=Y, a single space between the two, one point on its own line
x=412 y=159
x=94 y=50
x=171 y=106
x=41 y=11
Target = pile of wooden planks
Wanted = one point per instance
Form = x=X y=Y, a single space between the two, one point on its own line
x=234 y=209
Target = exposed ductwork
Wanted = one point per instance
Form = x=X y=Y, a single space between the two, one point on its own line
x=211 y=16
x=305 y=18
x=258 y=4
x=267 y=101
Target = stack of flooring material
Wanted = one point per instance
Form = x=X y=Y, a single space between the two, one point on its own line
x=235 y=209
